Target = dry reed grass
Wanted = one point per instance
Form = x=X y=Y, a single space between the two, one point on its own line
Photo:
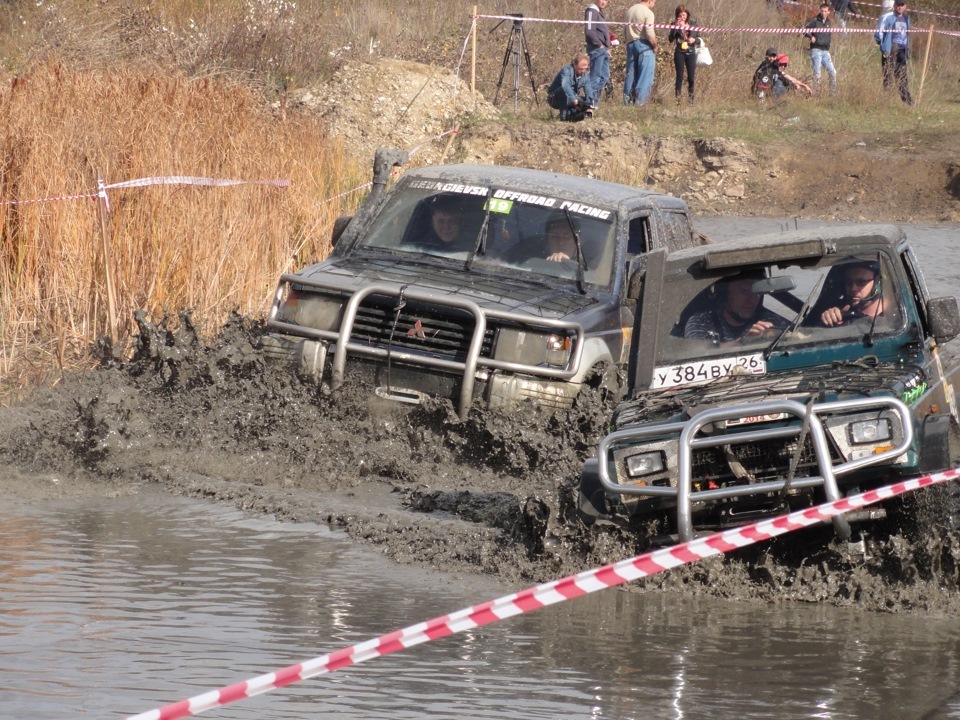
x=173 y=247
x=139 y=89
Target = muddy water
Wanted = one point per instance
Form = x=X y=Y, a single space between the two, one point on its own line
x=110 y=608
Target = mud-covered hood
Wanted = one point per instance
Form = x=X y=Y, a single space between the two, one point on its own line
x=861 y=378
x=553 y=299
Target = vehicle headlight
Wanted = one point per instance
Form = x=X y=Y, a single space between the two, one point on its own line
x=870 y=432
x=313 y=310
x=529 y=347
x=645 y=464
x=558 y=350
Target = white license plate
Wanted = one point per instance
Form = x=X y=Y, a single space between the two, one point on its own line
x=707 y=370
x=750 y=419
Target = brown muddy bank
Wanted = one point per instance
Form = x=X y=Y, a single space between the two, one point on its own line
x=490 y=494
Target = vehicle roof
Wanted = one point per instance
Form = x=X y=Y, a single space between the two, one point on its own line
x=543 y=182
x=846 y=239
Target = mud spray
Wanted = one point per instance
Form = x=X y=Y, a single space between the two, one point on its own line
x=492 y=493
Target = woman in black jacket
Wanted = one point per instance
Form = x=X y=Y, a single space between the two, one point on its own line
x=684 y=37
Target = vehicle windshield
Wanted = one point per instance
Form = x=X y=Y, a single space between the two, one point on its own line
x=746 y=315
x=525 y=232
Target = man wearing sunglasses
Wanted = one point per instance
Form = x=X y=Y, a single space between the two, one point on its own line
x=861 y=297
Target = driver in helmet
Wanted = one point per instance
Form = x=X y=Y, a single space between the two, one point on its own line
x=861 y=296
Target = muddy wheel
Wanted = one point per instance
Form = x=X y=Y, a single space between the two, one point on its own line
x=592 y=502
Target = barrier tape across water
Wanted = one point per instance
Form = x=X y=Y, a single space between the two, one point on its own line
x=540 y=596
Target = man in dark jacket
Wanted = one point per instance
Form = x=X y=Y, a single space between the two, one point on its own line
x=819 y=32
x=571 y=92
x=597 y=34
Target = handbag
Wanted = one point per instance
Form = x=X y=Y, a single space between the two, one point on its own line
x=703 y=53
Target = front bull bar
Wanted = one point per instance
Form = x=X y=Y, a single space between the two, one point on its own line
x=467 y=368
x=684 y=494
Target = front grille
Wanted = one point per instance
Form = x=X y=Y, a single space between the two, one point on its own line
x=440 y=332
x=760 y=461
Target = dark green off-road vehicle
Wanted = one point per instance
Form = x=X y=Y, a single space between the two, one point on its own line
x=773 y=373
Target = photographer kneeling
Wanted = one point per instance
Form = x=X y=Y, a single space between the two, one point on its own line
x=570 y=91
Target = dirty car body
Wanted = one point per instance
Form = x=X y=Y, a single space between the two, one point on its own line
x=443 y=286
x=720 y=431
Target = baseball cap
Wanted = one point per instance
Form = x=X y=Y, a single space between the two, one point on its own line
x=783 y=59
x=900 y=2
x=771 y=51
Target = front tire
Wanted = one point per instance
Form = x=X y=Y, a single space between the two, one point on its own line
x=592 y=500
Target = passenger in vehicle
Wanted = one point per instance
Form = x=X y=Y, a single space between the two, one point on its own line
x=737 y=315
x=861 y=297
x=445 y=232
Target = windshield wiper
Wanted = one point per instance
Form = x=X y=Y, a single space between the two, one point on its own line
x=581 y=261
x=480 y=246
x=801 y=316
x=868 y=338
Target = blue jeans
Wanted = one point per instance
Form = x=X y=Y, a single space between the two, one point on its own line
x=820 y=57
x=640 y=65
x=599 y=72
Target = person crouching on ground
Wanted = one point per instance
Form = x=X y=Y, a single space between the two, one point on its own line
x=571 y=92
x=790 y=80
x=769 y=80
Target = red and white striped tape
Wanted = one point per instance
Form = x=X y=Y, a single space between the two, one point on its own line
x=538 y=597
x=711 y=30
x=144 y=182
x=191 y=180
x=84 y=196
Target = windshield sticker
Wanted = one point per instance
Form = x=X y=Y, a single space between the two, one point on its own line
x=449 y=187
x=499 y=206
x=707 y=370
x=571 y=206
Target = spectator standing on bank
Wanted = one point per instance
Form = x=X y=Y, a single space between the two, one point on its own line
x=886 y=66
x=843 y=9
x=684 y=39
x=597 y=34
x=571 y=92
x=641 y=53
x=818 y=31
x=895 y=44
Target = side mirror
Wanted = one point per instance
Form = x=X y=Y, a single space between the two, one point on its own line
x=944 y=316
x=339 y=225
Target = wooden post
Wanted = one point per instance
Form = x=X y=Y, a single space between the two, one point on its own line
x=926 y=58
x=473 y=54
x=103 y=204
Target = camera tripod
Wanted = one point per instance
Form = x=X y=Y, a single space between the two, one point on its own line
x=516 y=44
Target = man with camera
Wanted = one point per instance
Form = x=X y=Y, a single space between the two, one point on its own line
x=571 y=91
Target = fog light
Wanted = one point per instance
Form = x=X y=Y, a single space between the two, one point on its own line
x=870 y=431
x=645 y=464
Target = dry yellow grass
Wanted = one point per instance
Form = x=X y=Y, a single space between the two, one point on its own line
x=172 y=247
x=145 y=89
